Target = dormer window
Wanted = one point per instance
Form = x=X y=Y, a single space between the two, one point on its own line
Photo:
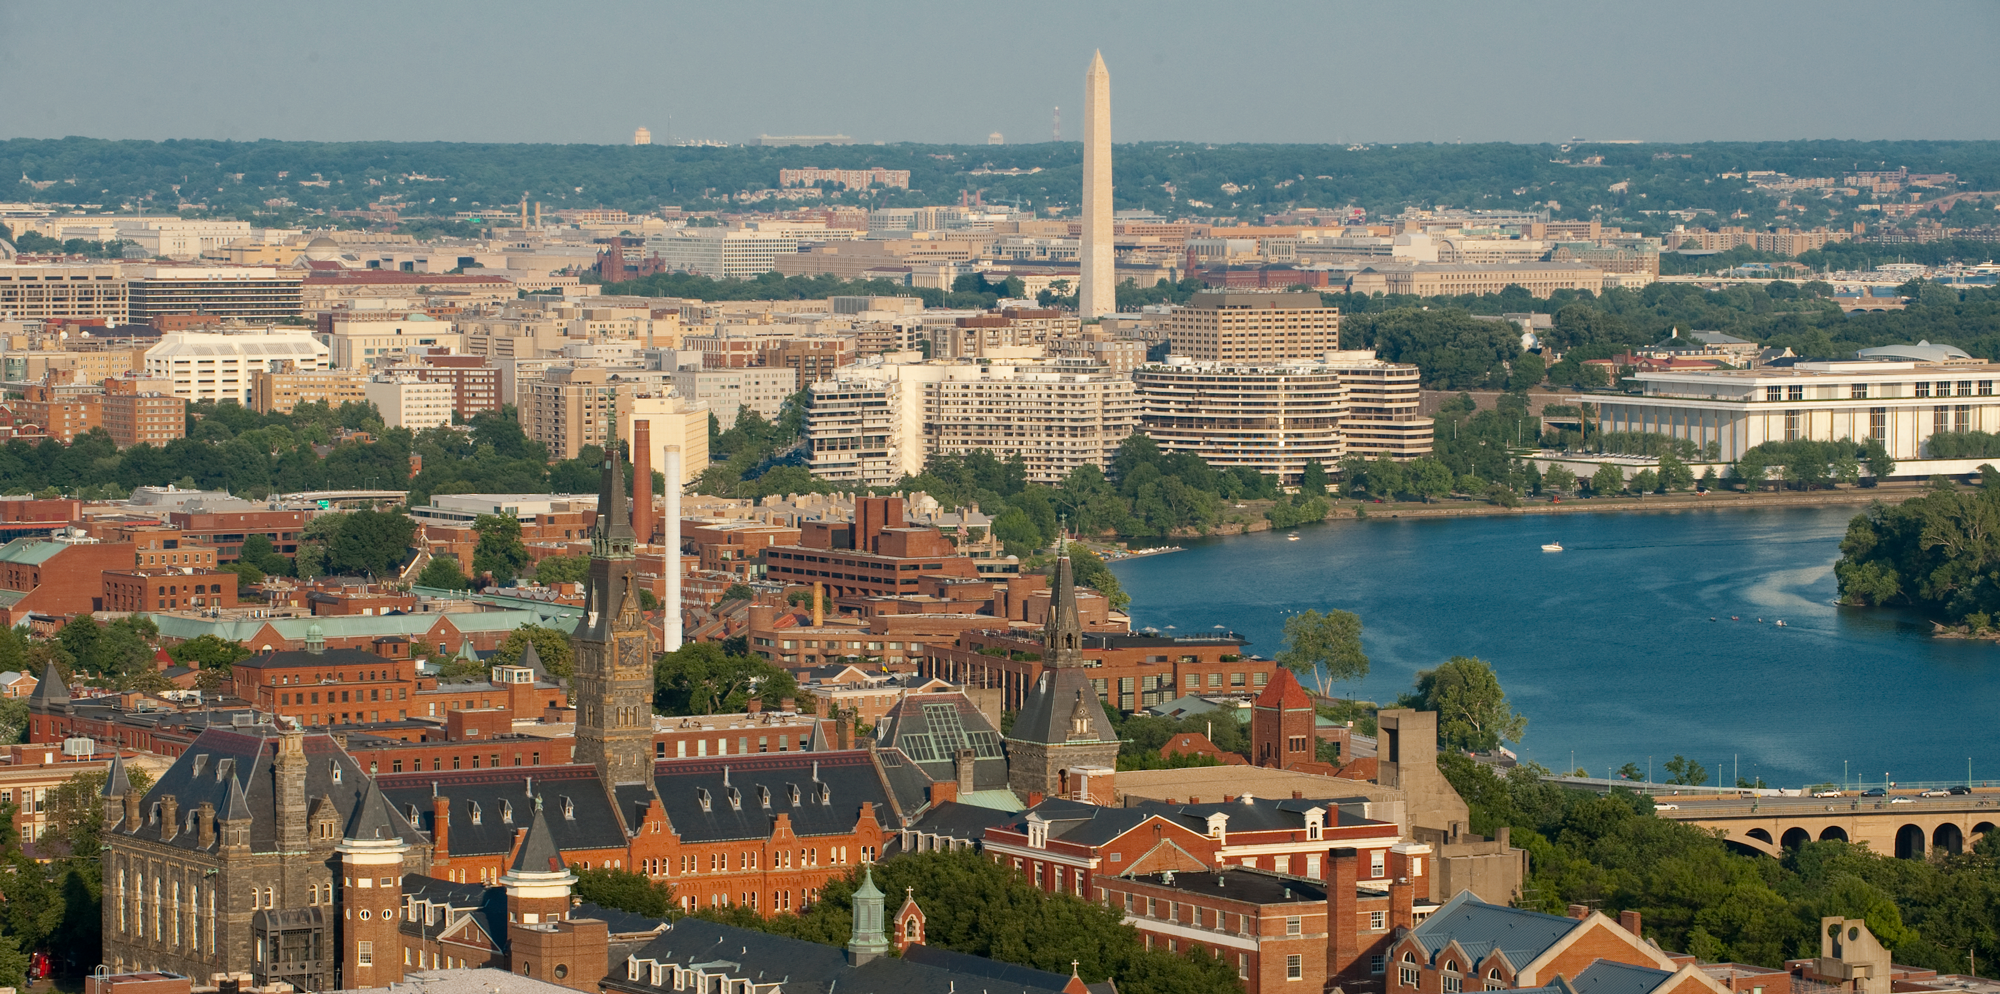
x=568 y=808
x=473 y=808
x=506 y=812
x=1218 y=826
x=1038 y=833
x=735 y=799
x=333 y=769
x=1315 y=824
x=793 y=789
x=701 y=797
x=764 y=797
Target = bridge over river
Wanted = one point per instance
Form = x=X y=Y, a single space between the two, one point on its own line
x=1909 y=827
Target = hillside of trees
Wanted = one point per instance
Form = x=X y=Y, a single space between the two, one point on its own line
x=1938 y=554
x=1173 y=178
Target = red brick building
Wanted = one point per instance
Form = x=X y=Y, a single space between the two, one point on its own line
x=56 y=578
x=136 y=411
x=226 y=530
x=1281 y=725
x=162 y=588
x=1469 y=942
x=1130 y=671
x=475 y=384
x=869 y=557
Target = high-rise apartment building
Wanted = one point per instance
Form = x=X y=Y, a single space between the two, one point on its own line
x=475 y=383
x=142 y=410
x=872 y=425
x=409 y=402
x=1383 y=407
x=726 y=392
x=281 y=391
x=574 y=406
x=1249 y=329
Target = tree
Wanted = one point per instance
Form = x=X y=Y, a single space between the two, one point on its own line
x=372 y=543
x=442 y=573
x=1675 y=474
x=208 y=652
x=1473 y=713
x=739 y=592
x=701 y=678
x=1528 y=373
x=1631 y=771
x=1559 y=479
x=1312 y=481
x=1645 y=481
x=1607 y=480
x=1090 y=571
x=562 y=569
x=1686 y=771
x=1325 y=648
x=627 y=891
x=1430 y=478
x=551 y=647
x=258 y=551
x=499 y=551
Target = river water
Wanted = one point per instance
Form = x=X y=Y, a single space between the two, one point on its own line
x=1608 y=647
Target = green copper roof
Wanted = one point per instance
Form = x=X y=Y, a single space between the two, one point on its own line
x=30 y=551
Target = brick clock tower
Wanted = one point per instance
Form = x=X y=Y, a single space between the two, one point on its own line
x=371 y=895
x=1061 y=725
x=613 y=659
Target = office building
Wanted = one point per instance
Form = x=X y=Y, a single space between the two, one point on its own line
x=376 y=338
x=1250 y=329
x=1540 y=279
x=246 y=293
x=723 y=253
x=35 y=292
x=475 y=383
x=215 y=366
x=407 y=401
x=725 y=392
x=672 y=421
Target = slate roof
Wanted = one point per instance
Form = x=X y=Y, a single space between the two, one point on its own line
x=1045 y=712
x=538 y=848
x=961 y=821
x=811 y=968
x=51 y=692
x=762 y=785
x=486 y=906
x=224 y=760
x=1260 y=814
x=931 y=728
x=1084 y=824
x=1246 y=884
x=1607 y=977
x=1479 y=928
x=301 y=658
x=488 y=805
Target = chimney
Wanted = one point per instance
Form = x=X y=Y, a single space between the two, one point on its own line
x=1579 y=911
x=204 y=817
x=819 y=605
x=170 y=820
x=1408 y=865
x=965 y=779
x=843 y=731
x=788 y=704
x=1343 y=939
x=1629 y=921
x=441 y=829
x=291 y=778
x=131 y=811
x=642 y=481
x=754 y=705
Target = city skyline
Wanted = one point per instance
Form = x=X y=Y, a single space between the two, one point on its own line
x=1688 y=73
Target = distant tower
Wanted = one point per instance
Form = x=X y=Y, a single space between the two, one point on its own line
x=1055 y=132
x=996 y=138
x=371 y=871
x=1098 y=295
x=613 y=664
x=1061 y=724
x=642 y=136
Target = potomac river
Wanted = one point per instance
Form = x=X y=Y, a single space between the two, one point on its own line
x=1608 y=648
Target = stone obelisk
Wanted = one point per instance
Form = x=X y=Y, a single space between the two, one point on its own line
x=1098 y=295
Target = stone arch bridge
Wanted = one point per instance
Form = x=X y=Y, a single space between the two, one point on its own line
x=1907 y=830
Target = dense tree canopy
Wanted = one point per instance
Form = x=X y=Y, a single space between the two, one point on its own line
x=1938 y=553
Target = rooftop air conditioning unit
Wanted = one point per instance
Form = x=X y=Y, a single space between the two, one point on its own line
x=79 y=747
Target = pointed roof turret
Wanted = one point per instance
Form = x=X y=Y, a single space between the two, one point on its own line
x=613 y=536
x=372 y=819
x=538 y=850
x=533 y=660
x=116 y=783
x=868 y=940
x=237 y=807
x=52 y=694
x=1062 y=634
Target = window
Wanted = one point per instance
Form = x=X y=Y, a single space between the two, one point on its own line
x=1796 y=391
x=1774 y=393
x=1295 y=967
x=364 y=951
x=1243 y=966
x=1378 y=920
x=1857 y=391
x=1375 y=963
x=1961 y=418
x=1377 y=863
x=1878 y=423
x=1940 y=419
x=1451 y=983
x=1406 y=971
x=1986 y=388
x=1924 y=389
x=1965 y=388
x=1792 y=420
x=1295 y=925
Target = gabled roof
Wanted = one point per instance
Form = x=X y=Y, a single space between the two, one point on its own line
x=116 y=783
x=1284 y=692
x=931 y=728
x=488 y=806
x=803 y=967
x=1479 y=928
x=735 y=790
x=1608 y=977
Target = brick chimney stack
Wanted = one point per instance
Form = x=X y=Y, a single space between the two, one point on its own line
x=1343 y=941
x=642 y=482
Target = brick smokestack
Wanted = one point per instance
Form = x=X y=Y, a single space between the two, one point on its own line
x=642 y=483
x=1343 y=941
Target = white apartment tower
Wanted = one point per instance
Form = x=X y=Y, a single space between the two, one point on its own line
x=1098 y=295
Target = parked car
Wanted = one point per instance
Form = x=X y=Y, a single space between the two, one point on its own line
x=1829 y=793
x=1935 y=792
x=1900 y=799
x=1875 y=792
x=1959 y=789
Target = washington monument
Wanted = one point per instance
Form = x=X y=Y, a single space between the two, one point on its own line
x=1098 y=295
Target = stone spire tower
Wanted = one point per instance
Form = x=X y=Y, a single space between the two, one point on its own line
x=1061 y=724
x=613 y=663
x=1098 y=295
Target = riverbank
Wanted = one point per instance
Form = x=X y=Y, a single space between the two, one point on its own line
x=1351 y=510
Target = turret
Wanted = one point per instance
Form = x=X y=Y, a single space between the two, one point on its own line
x=537 y=883
x=867 y=941
x=116 y=786
x=371 y=867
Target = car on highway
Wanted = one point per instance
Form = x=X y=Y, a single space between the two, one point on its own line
x=1829 y=793
x=1875 y=792
x=1900 y=799
x=1959 y=789
x=1666 y=807
x=1935 y=792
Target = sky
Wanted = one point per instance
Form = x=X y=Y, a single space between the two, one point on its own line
x=891 y=70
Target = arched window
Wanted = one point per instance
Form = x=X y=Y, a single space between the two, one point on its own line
x=910 y=929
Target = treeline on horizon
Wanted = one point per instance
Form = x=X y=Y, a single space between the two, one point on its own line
x=442 y=178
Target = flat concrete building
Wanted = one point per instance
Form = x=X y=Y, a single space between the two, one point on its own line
x=281 y=391
x=726 y=392
x=1254 y=328
x=407 y=401
x=216 y=366
x=32 y=292
x=1540 y=279
x=247 y=293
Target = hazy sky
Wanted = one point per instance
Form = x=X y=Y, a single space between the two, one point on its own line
x=518 y=71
